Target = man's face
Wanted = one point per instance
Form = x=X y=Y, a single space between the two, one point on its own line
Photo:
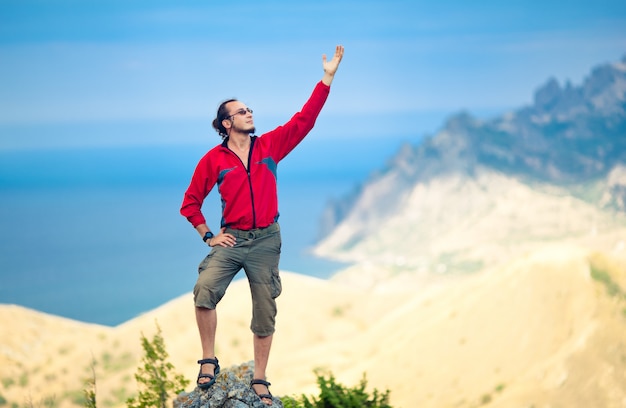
x=240 y=117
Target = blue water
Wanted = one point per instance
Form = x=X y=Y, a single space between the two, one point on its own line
x=94 y=234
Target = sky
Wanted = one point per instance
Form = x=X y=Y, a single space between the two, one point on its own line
x=102 y=99
x=171 y=62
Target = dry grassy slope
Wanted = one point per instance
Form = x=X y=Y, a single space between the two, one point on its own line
x=52 y=355
x=536 y=331
x=539 y=329
x=461 y=223
x=38 y=350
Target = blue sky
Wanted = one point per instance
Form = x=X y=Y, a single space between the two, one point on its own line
x=106 y=61
x=91 y=78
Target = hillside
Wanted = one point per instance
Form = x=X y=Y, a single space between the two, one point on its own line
x=539 y=331
x=45 y=358
x=457 y=224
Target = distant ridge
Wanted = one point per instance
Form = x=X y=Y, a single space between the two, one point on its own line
x=559 y=164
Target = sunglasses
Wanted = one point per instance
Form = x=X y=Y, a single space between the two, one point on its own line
x=241 y=112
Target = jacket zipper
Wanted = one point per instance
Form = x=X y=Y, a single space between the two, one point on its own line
x=249 y=179
x=250 y=183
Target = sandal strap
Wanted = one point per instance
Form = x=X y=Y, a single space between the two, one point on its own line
x=209 y=361
x=260 y=382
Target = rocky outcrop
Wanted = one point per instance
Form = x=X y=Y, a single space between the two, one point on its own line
x=231 y=390
x=572 y=138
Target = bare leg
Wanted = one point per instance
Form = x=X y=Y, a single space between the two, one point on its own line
x=262 y=346
x=207 y=325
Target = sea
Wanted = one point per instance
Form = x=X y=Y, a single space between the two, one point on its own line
x=94 y=233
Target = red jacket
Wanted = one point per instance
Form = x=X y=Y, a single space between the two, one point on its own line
x=249 y=197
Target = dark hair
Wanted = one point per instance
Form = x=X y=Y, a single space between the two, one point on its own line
x=222 y=113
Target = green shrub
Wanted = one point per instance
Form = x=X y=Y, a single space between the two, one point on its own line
x=89 y=392
x=23 y=381
x=602 y=270
x=7 y=382
x=334 y=395
x=155 y=377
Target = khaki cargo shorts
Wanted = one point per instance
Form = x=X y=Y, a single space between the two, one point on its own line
x=258 y=253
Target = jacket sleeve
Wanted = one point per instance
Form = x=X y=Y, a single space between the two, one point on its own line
x=285 y=138
x=202 y=183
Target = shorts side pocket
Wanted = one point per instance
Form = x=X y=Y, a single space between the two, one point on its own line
x=277 y=286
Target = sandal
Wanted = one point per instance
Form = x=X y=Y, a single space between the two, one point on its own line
x=262 y=396
x=206 y=385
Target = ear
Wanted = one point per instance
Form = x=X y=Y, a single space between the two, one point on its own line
x=226 y=123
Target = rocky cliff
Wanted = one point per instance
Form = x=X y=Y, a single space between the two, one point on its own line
x=480 y=191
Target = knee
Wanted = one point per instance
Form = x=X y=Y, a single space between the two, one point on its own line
x=205 y=297
x=263 y=317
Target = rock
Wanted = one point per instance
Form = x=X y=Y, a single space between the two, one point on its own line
x=231 y=390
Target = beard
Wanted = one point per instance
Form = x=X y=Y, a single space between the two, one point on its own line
x=243 y=129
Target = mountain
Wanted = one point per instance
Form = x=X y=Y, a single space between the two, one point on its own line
x=480 y=191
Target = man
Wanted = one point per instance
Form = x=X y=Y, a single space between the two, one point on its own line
x=244 y=168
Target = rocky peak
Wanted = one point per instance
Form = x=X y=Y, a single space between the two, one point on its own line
x=571 y=135
x=547 y=96
x=231 y=390
x=602 y=93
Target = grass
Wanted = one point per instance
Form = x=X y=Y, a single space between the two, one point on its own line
x=76 y=396
x=603 y=277
x=488 y=398
x=23 y=381
x=7 y=382
x=339 y=311
x=119 y=396
x=115 y=363
x=65 y=350
x=604 y=271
